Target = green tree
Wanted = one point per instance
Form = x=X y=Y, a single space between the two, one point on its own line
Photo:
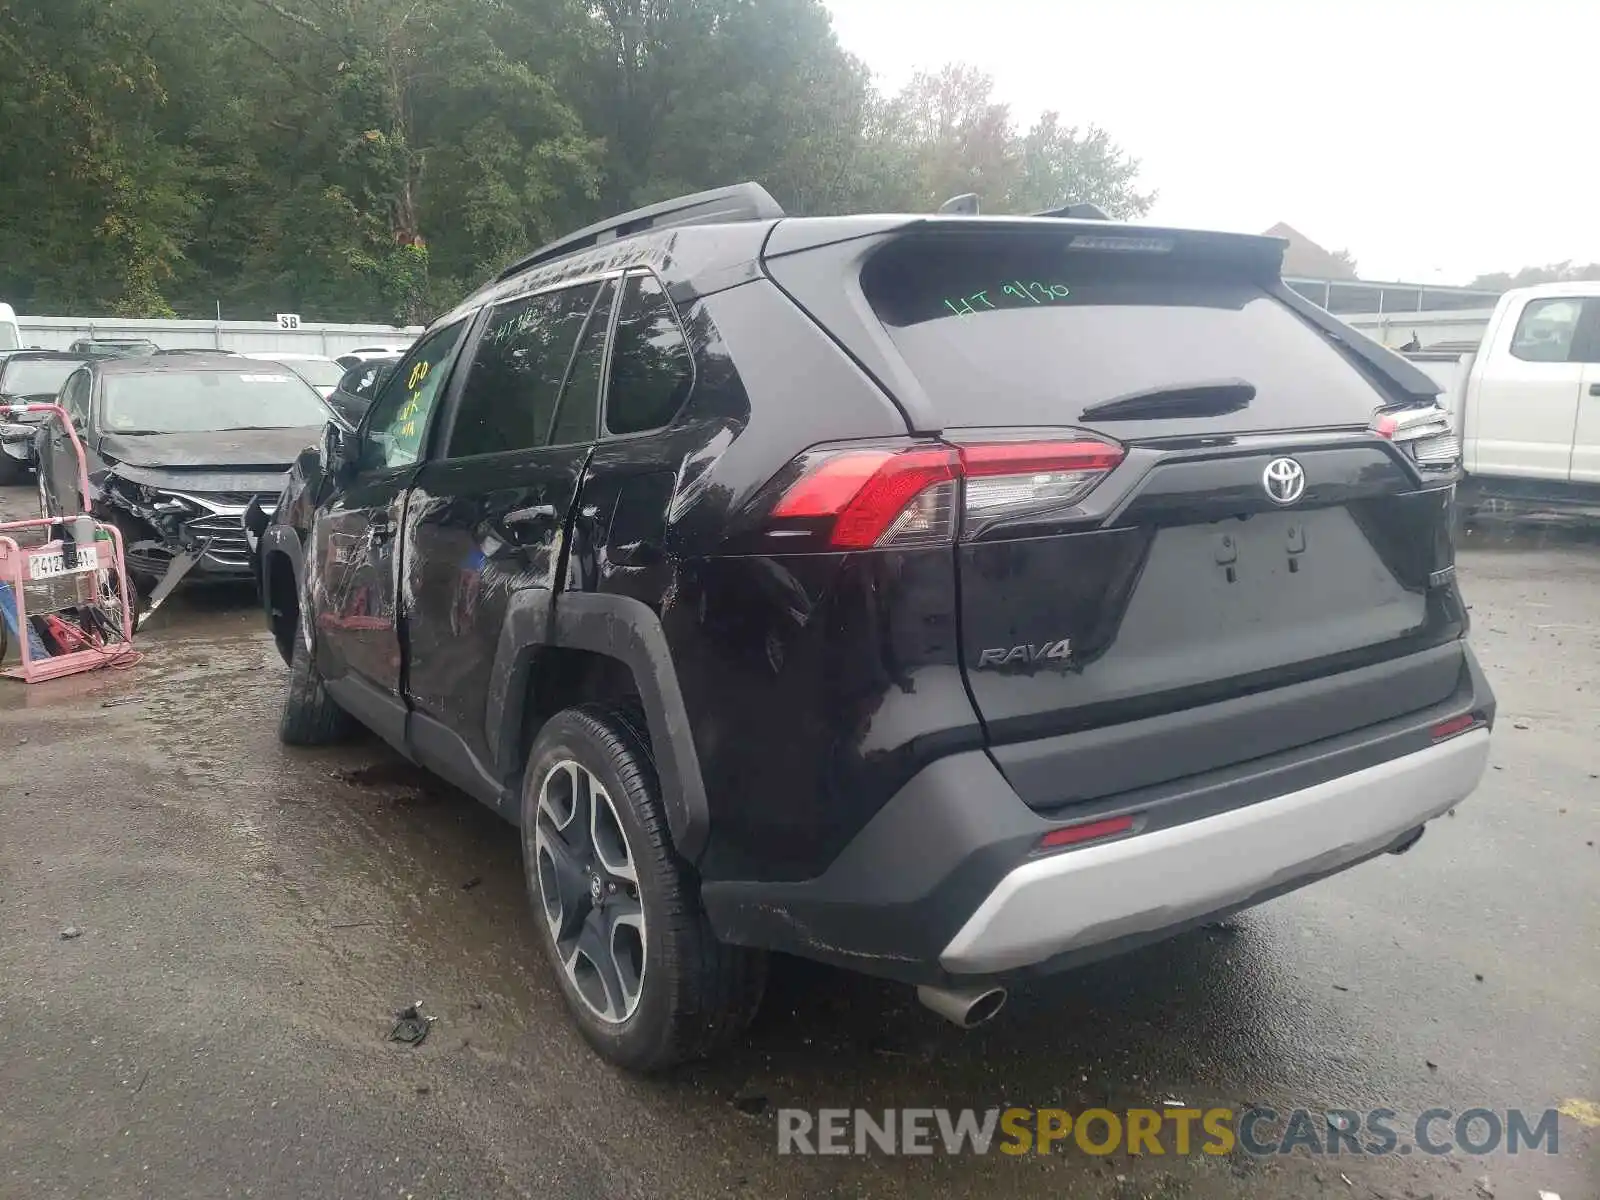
x=1057 y=164
x=695 y=93
x=434 y=153
x=98 y=207
x=945 y=135
x=1561 y=272
x=942 y=135
x=374 y=159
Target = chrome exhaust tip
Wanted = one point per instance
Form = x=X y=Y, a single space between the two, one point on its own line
x=965 y=1007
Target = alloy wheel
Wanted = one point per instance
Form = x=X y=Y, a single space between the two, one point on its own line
x=589 y=891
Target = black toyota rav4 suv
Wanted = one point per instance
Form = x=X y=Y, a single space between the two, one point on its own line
x=950 y=598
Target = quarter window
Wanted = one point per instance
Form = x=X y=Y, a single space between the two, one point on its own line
x=579 y=415
x=1546 y=330
x=509 y=400
x=651 y=370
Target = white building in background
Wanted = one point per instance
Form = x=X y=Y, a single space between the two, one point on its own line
x=328 y=340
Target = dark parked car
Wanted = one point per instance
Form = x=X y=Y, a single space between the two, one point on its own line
x=28 y=377
x=356 y=389
x=354 y=358
x=951 y=598
x=177 y=447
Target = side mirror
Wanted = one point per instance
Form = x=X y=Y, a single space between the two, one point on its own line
x=341 y=450
x=348 y=409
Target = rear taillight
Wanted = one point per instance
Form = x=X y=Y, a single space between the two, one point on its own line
x=878 y=497
x=901 y=498
x=1427 y=435
x=1005 y=482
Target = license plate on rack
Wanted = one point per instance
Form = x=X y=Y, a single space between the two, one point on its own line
x=53 y=563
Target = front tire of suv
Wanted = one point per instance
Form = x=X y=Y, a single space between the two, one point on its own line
x=310 y=715
x=618 y=911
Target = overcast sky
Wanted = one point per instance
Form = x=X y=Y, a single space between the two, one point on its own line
x=1433 y=140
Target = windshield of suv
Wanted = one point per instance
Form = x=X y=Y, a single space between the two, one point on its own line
x=36 y=376
x=209 y=401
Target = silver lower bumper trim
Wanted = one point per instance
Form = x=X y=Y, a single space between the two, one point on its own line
x=1153 y=881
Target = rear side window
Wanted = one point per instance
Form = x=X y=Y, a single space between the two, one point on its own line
x=509 y=399
x=651 y=369
x=1020 y=330
x=1548 y=330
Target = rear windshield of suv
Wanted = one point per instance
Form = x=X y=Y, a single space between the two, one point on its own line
x=1020 y=330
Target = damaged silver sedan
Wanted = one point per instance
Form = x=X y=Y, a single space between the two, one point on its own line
x=177 y=449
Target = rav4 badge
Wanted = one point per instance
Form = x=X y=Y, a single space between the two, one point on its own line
x=1026 y=654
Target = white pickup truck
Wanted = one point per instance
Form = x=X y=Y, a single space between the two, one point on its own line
x=1526 y=402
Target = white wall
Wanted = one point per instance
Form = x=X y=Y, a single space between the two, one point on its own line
x=57 y=333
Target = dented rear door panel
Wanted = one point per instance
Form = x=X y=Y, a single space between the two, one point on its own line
x=353 y=567
x=479 y=531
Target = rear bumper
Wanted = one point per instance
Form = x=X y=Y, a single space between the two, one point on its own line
x=1141 y=884
x=946 y=884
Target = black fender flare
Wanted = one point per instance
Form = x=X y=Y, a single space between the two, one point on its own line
x=629 y=631
x=276 y=540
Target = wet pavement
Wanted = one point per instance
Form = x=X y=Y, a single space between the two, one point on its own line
x=251 y=918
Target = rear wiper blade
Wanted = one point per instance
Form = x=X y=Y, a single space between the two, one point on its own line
x=1216 y=398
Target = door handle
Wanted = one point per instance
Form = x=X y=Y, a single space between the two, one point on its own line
x=1594 y=389
x=535 y=515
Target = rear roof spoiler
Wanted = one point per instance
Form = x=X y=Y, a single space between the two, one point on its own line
x=1402 y=376
x=809 y=233
x=738 y=202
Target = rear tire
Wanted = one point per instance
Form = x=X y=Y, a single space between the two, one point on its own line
x=681 y=994
x=310 y=715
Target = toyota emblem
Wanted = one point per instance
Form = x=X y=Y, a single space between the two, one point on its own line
x=1285 y=480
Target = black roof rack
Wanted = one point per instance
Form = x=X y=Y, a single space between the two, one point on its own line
x=737 y=202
